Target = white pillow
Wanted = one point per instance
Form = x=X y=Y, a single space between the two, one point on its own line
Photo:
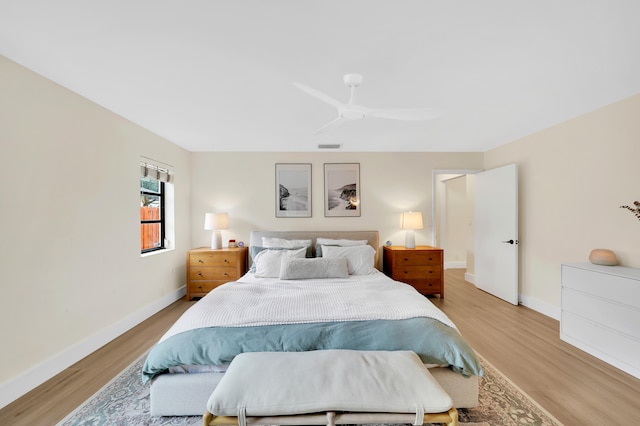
x=270 y=242
x=268 y=261
x=360 y=259
x=340 y=242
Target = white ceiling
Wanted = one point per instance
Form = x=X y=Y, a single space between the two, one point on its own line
x=213 y=75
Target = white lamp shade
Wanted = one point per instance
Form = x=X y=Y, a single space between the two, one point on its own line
x=215 y=221
x=412 y=220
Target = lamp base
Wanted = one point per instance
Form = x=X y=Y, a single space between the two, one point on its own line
x=216 y=240
x=410 y=239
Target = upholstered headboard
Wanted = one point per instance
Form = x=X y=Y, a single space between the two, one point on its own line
x=255 y=238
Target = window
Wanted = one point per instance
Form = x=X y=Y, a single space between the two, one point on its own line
x=152 y=214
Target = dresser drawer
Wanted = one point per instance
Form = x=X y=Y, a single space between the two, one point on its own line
x=627 y=290
x=213 y=259
x=602 y=342
x=600 y=310
x=206 y=273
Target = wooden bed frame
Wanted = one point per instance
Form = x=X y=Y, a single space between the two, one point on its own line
x=187 y=394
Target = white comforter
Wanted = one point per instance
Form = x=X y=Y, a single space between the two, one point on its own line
x=254 y=301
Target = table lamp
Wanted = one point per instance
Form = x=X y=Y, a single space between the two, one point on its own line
x=215 y=222
x=409 y=222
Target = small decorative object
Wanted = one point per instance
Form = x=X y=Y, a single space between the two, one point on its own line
x=603 y=257
x=240 y=243
x=232 y=244
x=635 y=211
x=388 y=243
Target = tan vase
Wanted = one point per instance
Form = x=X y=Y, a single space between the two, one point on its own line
x=603 y=257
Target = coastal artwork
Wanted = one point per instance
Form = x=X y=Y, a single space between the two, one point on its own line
x=293 y=190
x=342 y=189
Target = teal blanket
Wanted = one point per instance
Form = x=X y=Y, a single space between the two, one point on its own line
x=434 y=342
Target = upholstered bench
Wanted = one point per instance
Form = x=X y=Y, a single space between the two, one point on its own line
x=328 y=387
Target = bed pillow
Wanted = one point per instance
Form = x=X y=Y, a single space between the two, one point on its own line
x=302 y=269
x=272 y=242
x=336 y=242
x=254 y=250
x=360 y=259
x=268 y=262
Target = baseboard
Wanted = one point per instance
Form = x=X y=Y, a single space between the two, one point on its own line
x=469 y=277
x=32 y=378
x=540 y=306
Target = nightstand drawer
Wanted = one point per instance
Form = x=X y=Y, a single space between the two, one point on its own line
x=205 y=273
x=428 y=271
x=415 y=258
x=200 y=288
x=426 y=286
x=213 y=259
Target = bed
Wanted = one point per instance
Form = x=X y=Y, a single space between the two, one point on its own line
x=291 y=300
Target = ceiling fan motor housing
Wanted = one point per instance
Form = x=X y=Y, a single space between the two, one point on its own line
x=353 y=79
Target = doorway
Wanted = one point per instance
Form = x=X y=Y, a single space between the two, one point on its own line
x=453 y=218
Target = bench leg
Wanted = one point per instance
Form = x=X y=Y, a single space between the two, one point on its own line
x=454 y=417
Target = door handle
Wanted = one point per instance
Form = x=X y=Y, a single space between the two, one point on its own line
x=511 y=241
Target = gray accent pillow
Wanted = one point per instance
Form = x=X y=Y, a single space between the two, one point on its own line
x=301 y=269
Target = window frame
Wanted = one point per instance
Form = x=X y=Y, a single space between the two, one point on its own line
x=161 y=195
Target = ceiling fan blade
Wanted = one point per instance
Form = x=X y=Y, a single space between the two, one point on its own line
x=333 y=123
x=318 y=94
x=407 y=114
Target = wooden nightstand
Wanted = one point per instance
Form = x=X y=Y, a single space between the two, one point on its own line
x=208 y=268
x=422 y=267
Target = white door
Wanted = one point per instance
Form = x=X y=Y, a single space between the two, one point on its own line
x=496 y=232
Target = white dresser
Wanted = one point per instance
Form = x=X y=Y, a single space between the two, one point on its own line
x=601 y=313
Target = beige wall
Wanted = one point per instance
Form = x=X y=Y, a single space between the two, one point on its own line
x=72 y=274
x=243 y=185
x=455 y=243
x=572 y=179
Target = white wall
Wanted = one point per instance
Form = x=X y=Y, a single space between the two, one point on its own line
x=72 y=277
x=572 y=179
x=243 y=184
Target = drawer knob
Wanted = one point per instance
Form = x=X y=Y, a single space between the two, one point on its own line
x=226 y=261
x=200 y=273
x=200 y=260
x=225 y=274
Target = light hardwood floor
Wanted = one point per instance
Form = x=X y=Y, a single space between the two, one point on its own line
x=575 y=387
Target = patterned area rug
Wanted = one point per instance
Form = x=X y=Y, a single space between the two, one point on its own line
x=125 y=402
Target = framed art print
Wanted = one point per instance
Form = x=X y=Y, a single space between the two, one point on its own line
x=293 y=190
x=341 y=189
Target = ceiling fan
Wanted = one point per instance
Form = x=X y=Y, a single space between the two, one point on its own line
x=352 y=111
